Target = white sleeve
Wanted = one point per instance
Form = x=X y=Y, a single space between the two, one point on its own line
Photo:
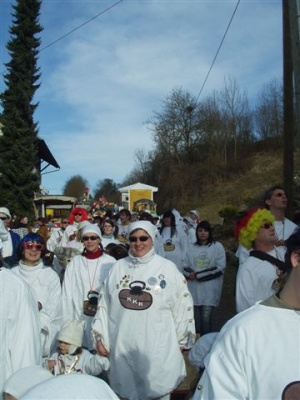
x=95 y=364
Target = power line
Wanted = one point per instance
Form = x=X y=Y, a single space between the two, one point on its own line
x=80 y=26
x=217 y=53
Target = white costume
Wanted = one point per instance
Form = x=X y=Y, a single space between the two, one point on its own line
x=19 y=326
x=84 y=363
x=83 y=275
x=46 y=288
x=256 y=356
x=66 y=387
x=254 y=281
x=55 y=238
x=200 y=258
x=174 y=248
x=105 y=240
x=145 y=315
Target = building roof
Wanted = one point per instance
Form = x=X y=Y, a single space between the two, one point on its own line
x=137 y=186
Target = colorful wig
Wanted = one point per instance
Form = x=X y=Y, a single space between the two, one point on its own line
x=247 y=227
x=76 y=211
x=30 y=237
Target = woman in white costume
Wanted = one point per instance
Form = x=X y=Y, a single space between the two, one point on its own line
x=144 y=319
x=46 y=288
x=174 y=240
x=83 y=279
x=108 y=233
x=205 y=265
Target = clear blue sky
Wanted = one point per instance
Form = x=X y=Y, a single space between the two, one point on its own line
x=101 y=83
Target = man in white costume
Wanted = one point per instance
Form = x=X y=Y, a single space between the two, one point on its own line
x=19 y=326
x=256 y=355
x=144 y=319
x=275 y=200
x=258 y=277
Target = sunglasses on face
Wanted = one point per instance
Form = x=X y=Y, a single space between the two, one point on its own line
x=78 y=214
x=267 y=225
x=65 y=222
x=3 y=218
x=140 y=238
x=86 y=238
x=33 y=246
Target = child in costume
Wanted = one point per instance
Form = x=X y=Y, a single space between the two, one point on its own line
x=71 y=357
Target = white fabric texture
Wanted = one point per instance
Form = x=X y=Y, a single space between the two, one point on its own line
x=46 y=288
x=72 y=332
x=180 y=242
x=201 y=349
x=254 y=280
x=202 y=257
x=144 y=336
x=24 y=379
x=71 y=387
x=81 y=276
x=19 y=326
x=256 y=356
x=88 y=363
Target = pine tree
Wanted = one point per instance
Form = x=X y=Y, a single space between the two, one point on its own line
x=19 y=163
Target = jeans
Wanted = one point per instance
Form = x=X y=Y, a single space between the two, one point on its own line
x=203 y=317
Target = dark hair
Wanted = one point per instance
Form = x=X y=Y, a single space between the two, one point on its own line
x=30 y=237
x=269 y=193
x=110 y=222
x=292 y=245
x=168 y=214
x=126 y=212
x=207 y=227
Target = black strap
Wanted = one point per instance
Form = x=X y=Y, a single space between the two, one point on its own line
x=209 y=277
x=267 y=257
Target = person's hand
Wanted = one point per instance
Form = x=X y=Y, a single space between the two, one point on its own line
x=101 y=349
x=192 y=276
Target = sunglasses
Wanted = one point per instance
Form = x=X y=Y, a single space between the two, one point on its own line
x=64 y=222
x=140 y=238
x=3 y=218
x=33 y=246
x=86 y=238
x=267 y=225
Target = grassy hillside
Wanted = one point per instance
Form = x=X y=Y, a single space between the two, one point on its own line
x=264 y=170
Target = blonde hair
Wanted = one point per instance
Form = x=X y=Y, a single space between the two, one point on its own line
x=248 y=232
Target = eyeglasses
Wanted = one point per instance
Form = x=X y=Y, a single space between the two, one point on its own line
x=140 y=238
x=86 y=238
x=33 y=246
x=267 y=225
x=80 y=214
x=64 y=222
x=3 y=218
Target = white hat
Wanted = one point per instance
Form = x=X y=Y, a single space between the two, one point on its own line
x=24 y=379
x=91 y=228
x=147 y=226
x=195 y=212
x=72 y=332
x=72 y=386
x=82 y=224
x=5 y=211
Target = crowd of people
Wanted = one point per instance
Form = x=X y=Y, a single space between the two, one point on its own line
x=116 y=299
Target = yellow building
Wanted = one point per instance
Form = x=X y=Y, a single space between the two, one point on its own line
x=138 y=197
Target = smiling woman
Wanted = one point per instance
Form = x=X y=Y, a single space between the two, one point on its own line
x=45 y=285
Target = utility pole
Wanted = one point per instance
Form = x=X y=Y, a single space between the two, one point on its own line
x=291 y=91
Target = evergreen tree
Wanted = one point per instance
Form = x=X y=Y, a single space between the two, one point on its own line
x=19 y=162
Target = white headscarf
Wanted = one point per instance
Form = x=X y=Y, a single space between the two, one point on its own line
x=145 y=225
x=73 y=386
x=24 y=379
